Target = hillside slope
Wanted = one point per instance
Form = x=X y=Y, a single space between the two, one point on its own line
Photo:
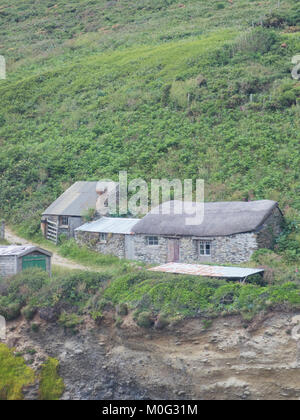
x=157 y=88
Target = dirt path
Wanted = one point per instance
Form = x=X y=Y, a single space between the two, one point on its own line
x=56 y=259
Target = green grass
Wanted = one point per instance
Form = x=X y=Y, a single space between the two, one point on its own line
x=51 y=384
x=95 y=87
x=14 y=374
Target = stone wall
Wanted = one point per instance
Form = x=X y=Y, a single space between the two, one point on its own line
x=114 y=245
x=150 y=253
x=228 y=249
x=7 y=266
x=233 y=249
x=270 y=230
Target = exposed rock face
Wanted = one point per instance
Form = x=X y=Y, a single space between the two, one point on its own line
x=230 y=360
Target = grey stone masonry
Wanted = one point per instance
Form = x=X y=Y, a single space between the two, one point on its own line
x=113 y=245
x=234 y=249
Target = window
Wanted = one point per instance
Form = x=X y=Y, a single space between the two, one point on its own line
x=204 y=248
x=103 y=237
x=152 y=240
x=64 y=220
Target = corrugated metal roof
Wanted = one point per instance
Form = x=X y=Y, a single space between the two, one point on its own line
x=110 y=225
x=77 y=199
x=220 y=218
x=20 y=250
x=207 y=270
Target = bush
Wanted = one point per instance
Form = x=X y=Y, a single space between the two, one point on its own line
x=28 y=312
x=69 y=321
x=145 y=320
x=14 y=375
x=257 y=40
x=51 y=385
x=35 y=327
x=122 y=309
x=161 y=322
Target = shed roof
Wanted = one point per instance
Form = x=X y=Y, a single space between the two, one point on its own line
x=21 y=250
x=77 y=199
x=220 y=218
x=207 y=270
x=110 y=225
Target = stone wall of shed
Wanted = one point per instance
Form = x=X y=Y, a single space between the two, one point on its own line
x=7 y=266
x=115 y=244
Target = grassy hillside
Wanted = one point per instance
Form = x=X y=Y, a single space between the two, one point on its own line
x=157 y=88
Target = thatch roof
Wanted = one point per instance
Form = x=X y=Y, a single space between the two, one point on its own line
x=76 y=200
x=220 y=219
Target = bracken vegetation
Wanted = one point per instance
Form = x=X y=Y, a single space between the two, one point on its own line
x=51 y=385
x=160 y=89
x=201 y=89
x=14 y=375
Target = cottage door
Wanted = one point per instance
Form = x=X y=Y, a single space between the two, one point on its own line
x=173 y=250
x=129 y=247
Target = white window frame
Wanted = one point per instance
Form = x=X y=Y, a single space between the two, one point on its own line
x=152 y=240
x=202 y=248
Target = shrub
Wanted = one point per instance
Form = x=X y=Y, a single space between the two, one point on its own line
x=145 y=320
x=35 y=327
x=51 y=384
x=122 y=309
x=28 y=312
x=14 y=375
x=70 y=321
x=257 y=40
x=161 y=322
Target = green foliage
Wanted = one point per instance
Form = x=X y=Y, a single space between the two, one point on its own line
x=145 y=320
x=94 y=89
x=28 y=312
x=70 y=321
x=51 y=384
x=14 y=374
x=89 y=215
x=85 y=256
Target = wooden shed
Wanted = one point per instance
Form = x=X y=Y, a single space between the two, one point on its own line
x=14 y=259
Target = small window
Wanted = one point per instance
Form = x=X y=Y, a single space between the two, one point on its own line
x=204 y=248
x=152 y=240
x=64 y=221
x=103 y=237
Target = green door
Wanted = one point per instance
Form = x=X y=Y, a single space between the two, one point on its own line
x=37 y=261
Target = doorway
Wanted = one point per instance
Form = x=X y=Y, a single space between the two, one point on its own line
x=173 y=250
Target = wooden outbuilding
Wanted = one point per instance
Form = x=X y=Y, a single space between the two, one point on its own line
x=14 y=259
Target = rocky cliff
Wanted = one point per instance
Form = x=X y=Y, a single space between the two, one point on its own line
x=229 y=359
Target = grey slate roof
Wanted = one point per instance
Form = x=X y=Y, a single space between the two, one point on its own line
x=77 y=199
x=220 y=219
x=109 y=225
x=21 y=250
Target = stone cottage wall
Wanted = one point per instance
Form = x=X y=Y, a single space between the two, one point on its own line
x=233 y=249
x=228 y=249
x=114 y=245
x=270 y=230
x=157 y=254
